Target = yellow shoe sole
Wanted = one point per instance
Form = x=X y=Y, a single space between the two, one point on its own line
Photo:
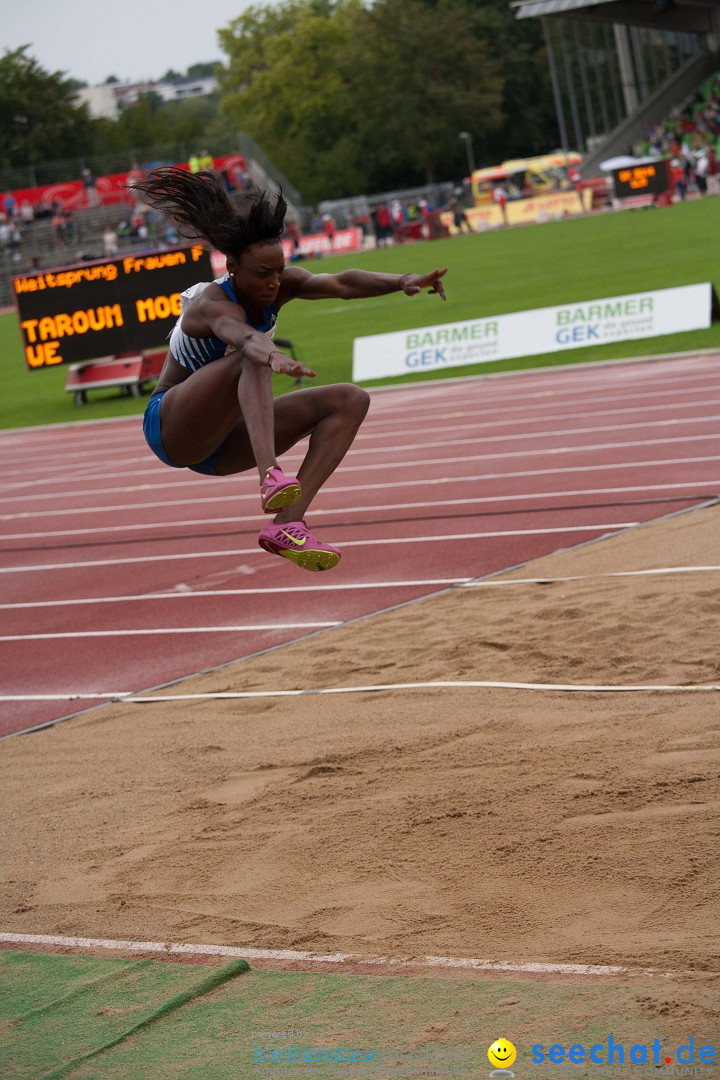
x=312 y=560
x=287 y=497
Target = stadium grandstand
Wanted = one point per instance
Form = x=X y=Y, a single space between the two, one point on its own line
x=619 y=67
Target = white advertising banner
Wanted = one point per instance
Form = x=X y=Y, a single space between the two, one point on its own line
x=530 y=333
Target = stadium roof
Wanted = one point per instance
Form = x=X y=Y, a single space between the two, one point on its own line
x=689 y=16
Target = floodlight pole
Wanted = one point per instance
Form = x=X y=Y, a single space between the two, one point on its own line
x=467 y=139
x=557 y=95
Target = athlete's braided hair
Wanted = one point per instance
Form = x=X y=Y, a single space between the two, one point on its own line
x=202 y=209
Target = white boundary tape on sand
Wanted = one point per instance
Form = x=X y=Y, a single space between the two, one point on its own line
x=236 y=695
x=293 y=955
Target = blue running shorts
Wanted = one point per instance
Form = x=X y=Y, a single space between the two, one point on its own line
x=153 y=437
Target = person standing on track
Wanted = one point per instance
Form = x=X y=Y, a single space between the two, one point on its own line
x=212 y=410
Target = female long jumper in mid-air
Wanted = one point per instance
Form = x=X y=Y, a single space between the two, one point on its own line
x=212 y=410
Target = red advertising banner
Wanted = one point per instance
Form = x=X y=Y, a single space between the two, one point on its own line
x=71 y=194
x=312 y=246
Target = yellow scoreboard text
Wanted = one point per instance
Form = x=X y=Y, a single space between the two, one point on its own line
x=638 y=177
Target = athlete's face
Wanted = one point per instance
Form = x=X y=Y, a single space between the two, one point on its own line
x=257 y=273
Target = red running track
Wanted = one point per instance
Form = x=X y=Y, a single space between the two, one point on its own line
x=120 y=574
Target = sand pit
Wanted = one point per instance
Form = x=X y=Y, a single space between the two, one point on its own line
x=491 y=823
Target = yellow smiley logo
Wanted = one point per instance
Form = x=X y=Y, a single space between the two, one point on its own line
x=502 y=1053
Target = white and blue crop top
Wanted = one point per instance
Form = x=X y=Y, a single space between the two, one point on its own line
x=194 y=353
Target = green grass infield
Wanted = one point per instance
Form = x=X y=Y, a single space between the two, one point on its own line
x=493 y=273
x=120 y=1019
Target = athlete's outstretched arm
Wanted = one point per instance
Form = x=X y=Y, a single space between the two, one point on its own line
x=357 y=284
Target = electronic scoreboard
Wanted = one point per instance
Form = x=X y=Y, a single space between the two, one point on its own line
x=648 y=178
x=120 y=305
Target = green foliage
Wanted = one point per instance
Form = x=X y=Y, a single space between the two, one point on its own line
x=39 y=118
x=348 y=97
x=530 y=124
x=150 y=122
x=420 y=77
x=198 y=71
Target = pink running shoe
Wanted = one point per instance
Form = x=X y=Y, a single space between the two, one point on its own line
x=294 y=541
x=278 y=490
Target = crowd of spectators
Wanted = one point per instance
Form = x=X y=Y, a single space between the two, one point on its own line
x=690 y=137
x=141 y=225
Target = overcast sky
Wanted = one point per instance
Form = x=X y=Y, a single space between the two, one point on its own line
x=132 y=39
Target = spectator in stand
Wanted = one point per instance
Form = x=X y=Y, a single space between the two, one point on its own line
x=293 y=234
x=677 y=173
x=58 y=223
x=384 y=226
x=110 y=242
x=14 y=242
x=27 y=214
x=329 y=229
x=91 y=191
x=460 y=218
x=227 y=179
x=397 y=214
x=10 y=206
x=139 y=222
x=500 y=199
x=702 y=166
x=713 y=173
x=133 y=177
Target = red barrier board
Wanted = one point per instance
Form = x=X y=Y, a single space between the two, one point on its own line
x=71 y=194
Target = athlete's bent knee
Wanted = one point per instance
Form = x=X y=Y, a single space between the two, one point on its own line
x=353 y=400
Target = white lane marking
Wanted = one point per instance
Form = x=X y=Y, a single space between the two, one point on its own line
x=588 y=577
x=418 y=421
x=375 y=508
x=528 y=438
x=250 y=953
x=155 y=631
x=240 y=695
x=346 y=543
x=505 y=455
x=547 y=382
x=525 y=496
x=478 y=414
x=360 y=449
x=190 y=593
x=561 y=379
x=468 y=583
x=539 y=384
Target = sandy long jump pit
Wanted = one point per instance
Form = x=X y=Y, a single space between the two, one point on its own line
x=512 y=825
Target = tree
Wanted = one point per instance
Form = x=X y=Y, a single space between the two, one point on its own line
x=150 y=123
x=39 y=117
x=200 y=71
x=283 y=85
x=529 y=125
x=420 y=76
x=349 y=98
